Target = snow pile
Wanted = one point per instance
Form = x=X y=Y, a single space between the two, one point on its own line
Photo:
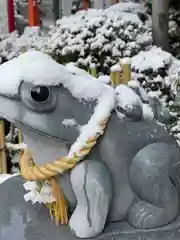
x=105 y=79
x=98 y=36
x=132 y=102
x=153 y=59
x=126 y=97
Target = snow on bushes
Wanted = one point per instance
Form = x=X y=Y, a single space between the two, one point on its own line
x=174 y=31
x=98 y=36
x=157 y=71
x=154 y=69
x=12 y=45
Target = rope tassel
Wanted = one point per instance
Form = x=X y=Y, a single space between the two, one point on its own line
x=47 y=172
x=59 y=209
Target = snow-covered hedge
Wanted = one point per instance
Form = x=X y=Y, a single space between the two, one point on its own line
x=98 y=36
x=156 y=70
x=104 y=36
x=174 y=31
x=12 y=45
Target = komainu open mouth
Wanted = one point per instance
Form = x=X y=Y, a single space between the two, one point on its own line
x=43 y=149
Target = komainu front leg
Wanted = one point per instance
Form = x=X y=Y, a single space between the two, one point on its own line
x=91 y=183
x=150 y=180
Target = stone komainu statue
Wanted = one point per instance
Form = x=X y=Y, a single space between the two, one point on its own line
x=126 y=187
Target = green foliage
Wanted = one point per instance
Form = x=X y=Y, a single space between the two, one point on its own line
x=100 y=37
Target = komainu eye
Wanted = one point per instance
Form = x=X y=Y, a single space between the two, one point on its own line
x=39 y=98
x=40 y=93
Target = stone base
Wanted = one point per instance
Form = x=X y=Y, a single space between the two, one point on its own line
x=23 y=221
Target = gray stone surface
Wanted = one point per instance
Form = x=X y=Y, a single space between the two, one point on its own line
x=91 y=183
x=142 y=160
x=23 y=221
x=153 y=184
x=161 y=113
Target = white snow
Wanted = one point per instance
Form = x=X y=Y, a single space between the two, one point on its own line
x=69 y=122
x=147 y=112
x=92 y=30
x=128 y=7
x=79 y=38
x=72 y=68
x=174 y=69
x=152 y=94
x=126 y=61
x=128 y=10
x=134 y=84
x=126 y=97
x=70 y=37
x=48 y=72
x=158 y=79
x=104 y=78
x=116 y=68
x=92 y=65
x=154 y=58
x=20 y=146
x=4 y=177
x=12 y=45
x=143 y=94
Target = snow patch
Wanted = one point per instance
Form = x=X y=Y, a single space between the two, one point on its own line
x=116 y=68
x=69 y=122
x=73 y=69
x=104 y=78
x=153 y=59
x=147 y=112
x=4 y=177
x=126 y=61
x=126 y=97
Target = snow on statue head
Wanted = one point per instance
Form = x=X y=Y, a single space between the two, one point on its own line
x=88 y=149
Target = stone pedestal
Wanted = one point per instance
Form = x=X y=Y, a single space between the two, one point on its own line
x=23 y=221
